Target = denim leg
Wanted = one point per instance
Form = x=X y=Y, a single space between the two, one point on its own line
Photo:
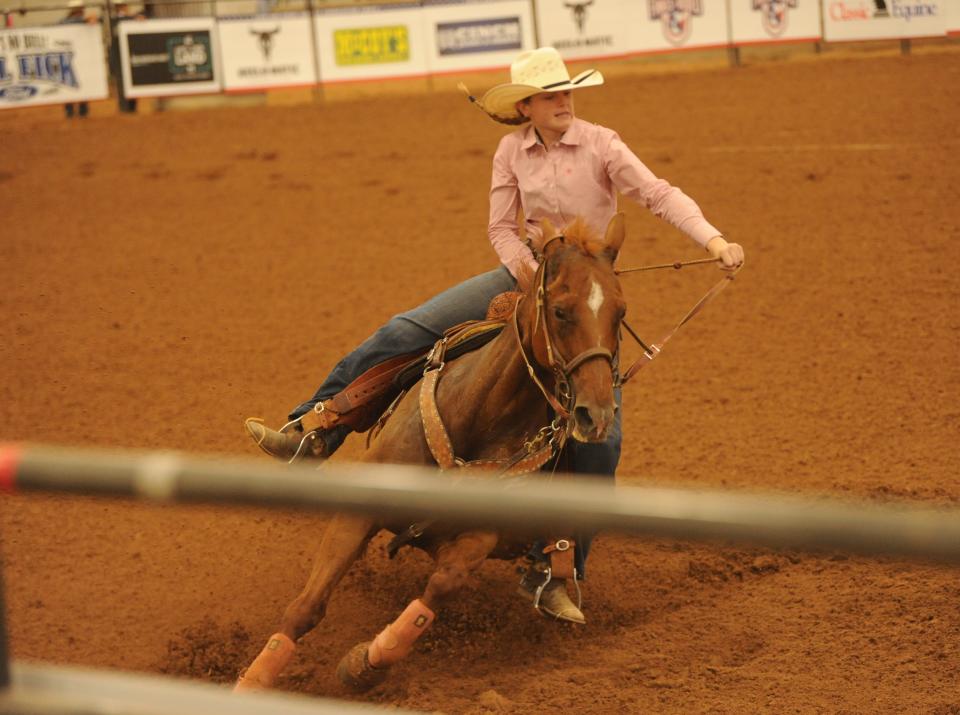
x=414 y=330
x=599 y=459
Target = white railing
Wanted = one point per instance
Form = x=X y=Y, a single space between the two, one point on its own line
x=415 y=493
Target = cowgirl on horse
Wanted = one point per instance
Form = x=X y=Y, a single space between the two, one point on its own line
x=554 y=167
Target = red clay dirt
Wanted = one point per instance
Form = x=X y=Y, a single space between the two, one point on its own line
x=167 y=275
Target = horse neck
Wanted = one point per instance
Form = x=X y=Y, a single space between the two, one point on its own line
x=498 y=406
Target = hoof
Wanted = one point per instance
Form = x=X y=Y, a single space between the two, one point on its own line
x=356 y=672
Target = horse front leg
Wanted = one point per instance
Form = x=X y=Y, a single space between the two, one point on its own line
x=366 y=664
x=343 y=541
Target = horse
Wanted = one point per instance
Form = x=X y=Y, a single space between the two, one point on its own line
x=482 y=415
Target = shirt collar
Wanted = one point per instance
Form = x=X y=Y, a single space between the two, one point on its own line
x=571 y=137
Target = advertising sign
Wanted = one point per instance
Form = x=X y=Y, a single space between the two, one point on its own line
x=682 y=24
x=582 y=29
x=51 y=65
x=371 y=43
x=264 y=52
x=883 y=19
x=758 y=21
x=168 y=57
x=477 y=35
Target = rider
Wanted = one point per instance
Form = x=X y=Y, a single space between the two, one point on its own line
x=556 y=167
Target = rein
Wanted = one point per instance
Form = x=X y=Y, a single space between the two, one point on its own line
x=651 y=351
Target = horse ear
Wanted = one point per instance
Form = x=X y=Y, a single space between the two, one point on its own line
x=614 y=236
x=547 y=231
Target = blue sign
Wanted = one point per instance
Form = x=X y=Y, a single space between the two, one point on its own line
x=490 y=35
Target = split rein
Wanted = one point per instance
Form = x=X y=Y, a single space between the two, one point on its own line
x=651 y=351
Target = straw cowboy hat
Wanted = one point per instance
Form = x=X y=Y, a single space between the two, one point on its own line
x=533 y=72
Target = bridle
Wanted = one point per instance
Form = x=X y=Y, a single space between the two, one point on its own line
x=563 y=396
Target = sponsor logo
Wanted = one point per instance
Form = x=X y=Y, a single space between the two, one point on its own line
x=578 y=16
x=493 y=35
x=18 y=92
x=371 y=45
x=265 y=40
x=190 y=56
x=773 y=14
x=856 y=10
x=676 y=17
x=579 y=10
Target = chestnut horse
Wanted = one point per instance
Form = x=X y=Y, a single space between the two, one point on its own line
x=490 y=403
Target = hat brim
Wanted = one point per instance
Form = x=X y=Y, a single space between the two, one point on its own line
x=502 y=99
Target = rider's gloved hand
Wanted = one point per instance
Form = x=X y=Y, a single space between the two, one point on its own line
x=730 y=254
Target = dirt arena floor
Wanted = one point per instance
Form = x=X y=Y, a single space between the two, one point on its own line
x=167 y=275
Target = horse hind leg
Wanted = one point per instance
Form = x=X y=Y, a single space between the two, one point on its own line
x=343 y=541
x=366 y=664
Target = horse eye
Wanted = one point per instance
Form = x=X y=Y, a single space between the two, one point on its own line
x=560 y=313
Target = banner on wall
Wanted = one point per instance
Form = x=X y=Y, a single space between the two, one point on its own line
x=52 y=65
x=371 y=43
x=264 y=52
x=169 y=57
x=587 y=28
x=476 y=35
x=758 y=21
x=681 y=24
x=883 y=19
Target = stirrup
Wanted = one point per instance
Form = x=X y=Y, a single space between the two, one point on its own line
x=305 y=440
x=549 y=574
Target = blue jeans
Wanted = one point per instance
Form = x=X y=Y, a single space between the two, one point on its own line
x=598 y=459
x=420 y=328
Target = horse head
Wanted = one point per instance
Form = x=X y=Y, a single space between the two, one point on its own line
x=573 y=323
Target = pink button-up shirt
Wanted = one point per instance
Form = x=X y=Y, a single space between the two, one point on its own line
x=580 y=176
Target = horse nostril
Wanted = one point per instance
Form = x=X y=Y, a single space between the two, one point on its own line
x=584 y=420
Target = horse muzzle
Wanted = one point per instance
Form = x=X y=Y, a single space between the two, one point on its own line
x=592 y=422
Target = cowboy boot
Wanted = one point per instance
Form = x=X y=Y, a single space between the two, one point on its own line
x=554 y=600
x=290 y=443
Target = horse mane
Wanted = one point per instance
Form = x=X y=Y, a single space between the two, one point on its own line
x=579 y=235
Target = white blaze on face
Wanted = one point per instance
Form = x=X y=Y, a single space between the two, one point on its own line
x=596 y=298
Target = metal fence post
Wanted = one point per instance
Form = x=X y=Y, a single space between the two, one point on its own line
x=536 y=25
x=314 y=44
x=733 y=51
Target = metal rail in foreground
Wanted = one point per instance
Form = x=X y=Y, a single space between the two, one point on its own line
x=47 y=690
x=410 y=493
